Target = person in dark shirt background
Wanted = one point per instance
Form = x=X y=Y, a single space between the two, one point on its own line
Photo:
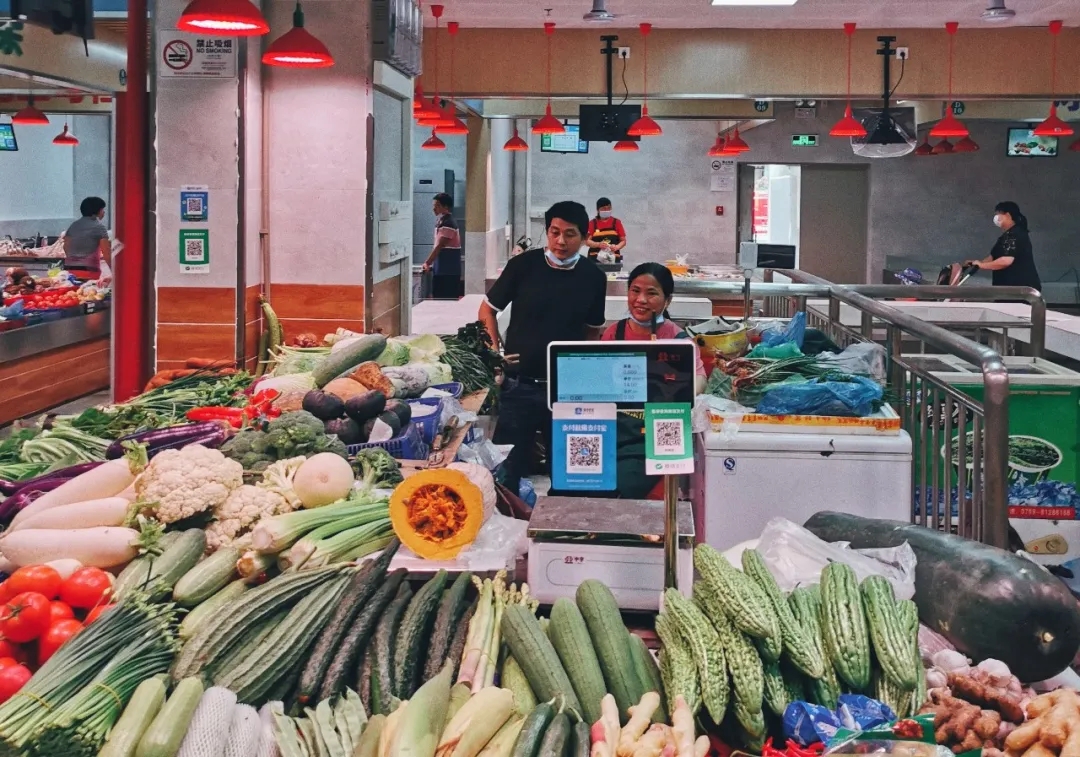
x=1011 y=260
x=557 y=295
x=445 y=259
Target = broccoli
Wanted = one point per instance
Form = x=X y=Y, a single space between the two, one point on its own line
x=295 y=433
x=377 y=468
x=250 y=448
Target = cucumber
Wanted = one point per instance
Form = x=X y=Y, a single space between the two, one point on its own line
x=451 y=608
x=612 y=644
x=358 y=592
x=528 y=741
x=163 y=572
x=648 y=674
x=556 y=741
x=382 y=664
x=367 y=347
x=414 y=633
x=206 y=578
x=167 y=731
x=197 y=616
x=141 y=709
x=580 y=740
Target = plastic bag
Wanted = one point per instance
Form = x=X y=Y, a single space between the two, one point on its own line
x=796 y=557
x=862 y=358
x=484 y=452
x=707 y=406
x=807 y=723
x=13 y=311
x=856 y=398
x=780 y=351
x=793 y=332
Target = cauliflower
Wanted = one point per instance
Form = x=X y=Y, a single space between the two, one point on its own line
x=180 y=483
x=243 y=508
x=278 y=478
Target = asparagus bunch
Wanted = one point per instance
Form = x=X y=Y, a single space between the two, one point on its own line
x=483 y=644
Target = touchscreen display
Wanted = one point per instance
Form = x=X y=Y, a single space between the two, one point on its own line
x=603 y=377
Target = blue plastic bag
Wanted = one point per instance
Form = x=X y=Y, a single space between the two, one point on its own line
x=12 y=312
x=794 y=332
x=807 y=723
x=856 y=398
x=527 y=492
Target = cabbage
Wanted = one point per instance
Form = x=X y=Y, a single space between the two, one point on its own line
x=298 y=359
x=438 y=373
x=424 y=348
x=294 y=382
x=396 y=353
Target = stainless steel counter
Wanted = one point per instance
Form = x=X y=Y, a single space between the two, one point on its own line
x=33 y=340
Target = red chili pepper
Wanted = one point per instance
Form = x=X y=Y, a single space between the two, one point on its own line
x=234 y=415
x=273 y=411
x=264 y=397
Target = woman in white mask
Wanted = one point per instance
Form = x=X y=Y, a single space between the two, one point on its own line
x=1011 y=260
x=606 y=232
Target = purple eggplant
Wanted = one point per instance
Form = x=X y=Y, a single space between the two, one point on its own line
x=63 y=473
x=166 y=438
x=10 y=506
x=213 y=439
x=7 y=488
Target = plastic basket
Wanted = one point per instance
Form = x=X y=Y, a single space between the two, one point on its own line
x=454 y=389
x=409 y=445
x=428 y=424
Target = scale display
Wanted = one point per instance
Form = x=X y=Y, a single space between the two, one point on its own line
x=602 y=377
x=628 y=374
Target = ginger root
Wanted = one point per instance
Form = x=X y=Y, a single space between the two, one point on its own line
x=640 y=717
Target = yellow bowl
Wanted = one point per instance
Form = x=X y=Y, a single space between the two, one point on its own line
x=676 y=269
x=729 y=345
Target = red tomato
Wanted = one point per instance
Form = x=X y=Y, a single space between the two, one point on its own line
x=85 y=587
x=7 y=649
x=5 y=592
x=12 y=679
x=60 y=611
x=96 y=613
x=41 y=579
x=25 y=617
x=7 y=662
x=58 y=633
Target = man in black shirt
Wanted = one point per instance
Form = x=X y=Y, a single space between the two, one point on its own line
x=558 y=295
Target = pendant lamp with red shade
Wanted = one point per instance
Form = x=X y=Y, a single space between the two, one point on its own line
x=435 y=115
x=736 y=144
x=924 y=149
x=65 y=138
x=433 y=142
x=298 y=48
x=950 y=125
x=848 y=126
x=625 y=145
x=30 y=116
x=223 y=18
x=516 y=143
x=548 y=124
x=645 y=126
x=720 y=148
x=1053 y=126
x=944 y=147
x=457 y=126
x=967 y=144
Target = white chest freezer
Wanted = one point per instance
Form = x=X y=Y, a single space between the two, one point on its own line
x=752 y=477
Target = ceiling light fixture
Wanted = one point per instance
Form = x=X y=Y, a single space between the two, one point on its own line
x=997 y=13
x=223 y=18
x=433 y=142
x=1053 y=126
x=298 y=48
x=944 y=147
x=421 y=107
x=848 y=126
x=65 y=138
x=548 y=124
x=925 y=148
x=516 y=143
x=457 y=126
x=30 y=116
x=436 y=114
x=645 y=126
x=719 y=148
x=950 y=125
x=967 y=144
x=625 y=145
x=737 y=144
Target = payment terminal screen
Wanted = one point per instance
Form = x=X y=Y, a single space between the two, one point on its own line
x=602 y=377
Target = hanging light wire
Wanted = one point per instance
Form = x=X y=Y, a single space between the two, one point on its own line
x=950 y=125
x=848 y=126
x=548 y=124
x=1053 y=126
x=645 y=126
x=457 y=126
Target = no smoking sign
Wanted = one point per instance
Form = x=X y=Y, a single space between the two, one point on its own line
x=177 y=55
x=183 y=56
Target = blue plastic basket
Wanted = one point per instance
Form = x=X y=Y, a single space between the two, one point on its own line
x=408 y=445
x=454 y=388
x=428 y=424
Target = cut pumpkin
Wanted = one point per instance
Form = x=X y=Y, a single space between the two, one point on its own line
x=437 y=513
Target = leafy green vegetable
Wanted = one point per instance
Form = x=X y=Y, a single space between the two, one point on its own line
x=396 y=353
x=377 y=468
x=293 y=434
x=11 y=448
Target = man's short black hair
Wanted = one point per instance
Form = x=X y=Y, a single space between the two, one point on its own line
x=569 y=211
x=91 y=206
x=603 y=202
x=445 y=200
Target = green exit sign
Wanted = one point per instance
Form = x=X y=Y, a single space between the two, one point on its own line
x=804 y=140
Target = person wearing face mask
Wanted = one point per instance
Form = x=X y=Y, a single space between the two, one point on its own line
x=86 y=242
x=1011 y=260
x=557 y=295
x=606 y=232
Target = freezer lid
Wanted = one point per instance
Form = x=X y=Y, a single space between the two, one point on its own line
x=749 y=441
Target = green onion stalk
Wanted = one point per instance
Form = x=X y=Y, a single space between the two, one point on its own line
x=79 y=726
x=74 y=666
x=282 y=531
x=351 y=545
x=304 y=548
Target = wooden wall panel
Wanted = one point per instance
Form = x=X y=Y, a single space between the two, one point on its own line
x=195 y=322
x=318 y=309
x=178 y=342
x=37 y=383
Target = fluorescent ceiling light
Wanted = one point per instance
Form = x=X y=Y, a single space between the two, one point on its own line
x=754 y=2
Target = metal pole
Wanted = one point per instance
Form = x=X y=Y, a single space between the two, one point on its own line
x=896 y=341
x=1038 y=327
x=995 y=521
x=747 y=304
x=671 y=532
x=868 y=325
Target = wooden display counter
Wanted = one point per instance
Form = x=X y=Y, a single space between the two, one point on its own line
x=52 y=363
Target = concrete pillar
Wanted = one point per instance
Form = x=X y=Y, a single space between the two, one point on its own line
x=477 y=159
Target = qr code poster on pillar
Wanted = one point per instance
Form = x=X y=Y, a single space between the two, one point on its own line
x=195 y=204
x=194 y=251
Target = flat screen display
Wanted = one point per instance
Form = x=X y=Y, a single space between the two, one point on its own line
x=1024 y=144
x=569 y=141
x=608 y=123
x=603 y=377
x=7 y=138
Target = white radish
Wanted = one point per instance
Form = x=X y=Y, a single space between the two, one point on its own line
x=66 y=567
x=100 y=547
x=7 y=566
x=106 y=480
x=110 y=511
x=129 y=493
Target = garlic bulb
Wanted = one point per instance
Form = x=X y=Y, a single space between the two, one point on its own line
x=951 y=661
x=936 y=678
x=999 y=672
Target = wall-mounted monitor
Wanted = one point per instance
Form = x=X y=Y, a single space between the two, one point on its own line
x=60 y=16
x=569 y=141
x=8 y=142
x=608 y=123
x=1022 y=143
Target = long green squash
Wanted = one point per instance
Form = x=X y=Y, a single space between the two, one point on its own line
x=537 y=657
x=708 y=651
x=805 y=603
x=367 y=347
x=609 y=638
x=796 y=642
x=570 y=637
x=743 y=662
x=891 y=641
x=744 y=602
x=677 y=666
x=843 y=623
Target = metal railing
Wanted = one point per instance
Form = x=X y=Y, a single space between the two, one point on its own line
x=931 y=410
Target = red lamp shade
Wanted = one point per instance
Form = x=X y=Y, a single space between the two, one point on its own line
x=297 y=48
x=736 y=144
x=225 y=18
x=625 y=145
x=457 y=127
x=967 y=144
x=1053 y=126
x=950 y=127
x=30 y=116
x=924 y=149
x=422 y=108
x=433 y=143
x=645 y=126
x=516 y=143
x=548 y=124
x=719 y=148
x=944 y=147
x=848 y=126
x=1075 y=146
x=436 y=116
x=65 y=138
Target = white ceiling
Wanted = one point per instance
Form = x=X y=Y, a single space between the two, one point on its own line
x=805 y=14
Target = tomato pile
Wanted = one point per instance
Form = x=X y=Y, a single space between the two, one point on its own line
x=40 y=611
x=47 y=300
